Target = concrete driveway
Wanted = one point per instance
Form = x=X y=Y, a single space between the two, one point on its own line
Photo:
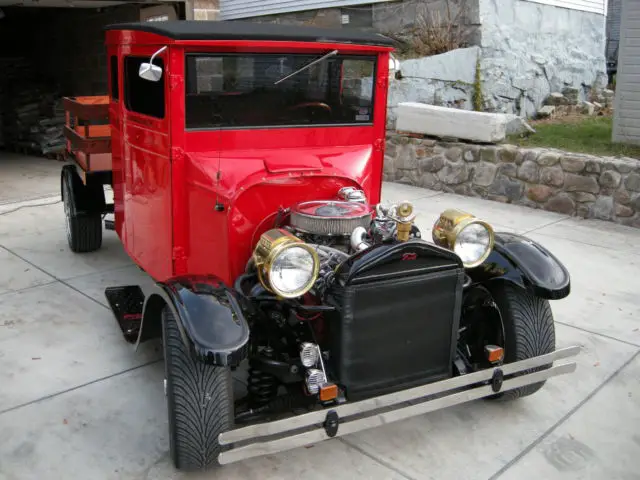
x=77 y=402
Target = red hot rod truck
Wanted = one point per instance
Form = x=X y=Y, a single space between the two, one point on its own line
x=246 y=167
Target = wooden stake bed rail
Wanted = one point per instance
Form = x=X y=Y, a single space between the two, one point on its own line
x=88 y=132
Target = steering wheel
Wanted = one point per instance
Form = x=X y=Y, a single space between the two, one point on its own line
x=321 y=105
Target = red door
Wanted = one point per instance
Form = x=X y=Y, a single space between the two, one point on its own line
x=146 y=163
x=115 y=117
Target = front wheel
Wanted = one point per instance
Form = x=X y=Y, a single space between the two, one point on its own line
x=529 y=331
x=199 y=402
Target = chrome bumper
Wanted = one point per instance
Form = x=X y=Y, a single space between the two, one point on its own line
x=317 y=426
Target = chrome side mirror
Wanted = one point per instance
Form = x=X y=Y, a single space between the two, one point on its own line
x=149 y=71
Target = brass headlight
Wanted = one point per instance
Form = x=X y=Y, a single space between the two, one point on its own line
x=286 y=265
x=469 y=237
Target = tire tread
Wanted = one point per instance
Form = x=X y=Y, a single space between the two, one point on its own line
x=86 y=228
x=86 y=233
x=200 y=401
x=530 y=330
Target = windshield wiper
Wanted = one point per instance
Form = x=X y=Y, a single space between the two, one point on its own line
x=330 y=54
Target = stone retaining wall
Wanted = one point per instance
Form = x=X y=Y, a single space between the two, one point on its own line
x=580 y=185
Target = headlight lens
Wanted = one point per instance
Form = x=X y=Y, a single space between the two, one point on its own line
x=470 y=238
x=472 y=243
x=286 y=265
x=292 y=271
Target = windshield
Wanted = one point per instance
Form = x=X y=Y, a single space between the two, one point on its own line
x=259 y=90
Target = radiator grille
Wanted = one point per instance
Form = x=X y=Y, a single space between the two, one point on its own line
x=396 y=333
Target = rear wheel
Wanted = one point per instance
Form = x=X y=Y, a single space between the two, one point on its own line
x=529 y=331
x=199 y=402
x=84 y=228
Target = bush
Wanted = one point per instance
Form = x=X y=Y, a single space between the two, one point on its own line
x=432 y=33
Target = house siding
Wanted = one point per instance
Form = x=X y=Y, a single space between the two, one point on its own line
x=394 y=18
x=236 y=9
x=593 y=6
x=614 y=16
x=626 y=127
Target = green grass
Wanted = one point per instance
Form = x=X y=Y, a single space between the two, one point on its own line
x=590 y=135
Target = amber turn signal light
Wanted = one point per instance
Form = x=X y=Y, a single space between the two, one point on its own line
x=328 y=392
x=494 y=353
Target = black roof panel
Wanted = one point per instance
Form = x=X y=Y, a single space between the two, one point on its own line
x=213 y=30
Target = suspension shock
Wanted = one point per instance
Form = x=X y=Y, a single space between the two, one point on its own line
x=261 y=387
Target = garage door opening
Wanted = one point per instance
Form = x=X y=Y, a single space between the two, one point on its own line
x=47 y=52
x=50 y=49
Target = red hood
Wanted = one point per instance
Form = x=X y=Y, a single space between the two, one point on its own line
x=253 y=186
x=243 y=169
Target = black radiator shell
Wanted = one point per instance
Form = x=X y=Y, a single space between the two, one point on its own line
x=398 y=315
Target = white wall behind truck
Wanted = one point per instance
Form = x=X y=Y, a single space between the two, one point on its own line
x=594 y=6
x=530 y=49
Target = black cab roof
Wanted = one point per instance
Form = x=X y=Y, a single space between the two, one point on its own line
x=220 y=30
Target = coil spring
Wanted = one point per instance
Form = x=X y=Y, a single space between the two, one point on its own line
x=262 y=387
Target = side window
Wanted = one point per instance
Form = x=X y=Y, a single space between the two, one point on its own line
x=115 y=90
x=143 y=96
x=357 y=82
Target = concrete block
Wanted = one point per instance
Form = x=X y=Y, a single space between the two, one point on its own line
x=588 y=108
x=546 y=111
x=455 y=66
x=450 y=122
x=556 y=98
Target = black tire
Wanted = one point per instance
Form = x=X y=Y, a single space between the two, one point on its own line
x=84 y=230
x=529 y=331
x=199 y=402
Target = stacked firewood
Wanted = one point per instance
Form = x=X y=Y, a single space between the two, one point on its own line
x=30 y=109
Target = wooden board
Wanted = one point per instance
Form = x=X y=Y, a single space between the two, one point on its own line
x=87 y=108
x=97 y=162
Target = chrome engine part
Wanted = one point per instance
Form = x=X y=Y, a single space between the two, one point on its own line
x=358 y=237
x=330 y=258
x=352 y=194
x=332 y=218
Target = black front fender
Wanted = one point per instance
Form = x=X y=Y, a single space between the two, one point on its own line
x=526 y=263
x=209 y=315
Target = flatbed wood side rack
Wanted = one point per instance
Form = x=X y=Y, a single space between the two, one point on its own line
x=88 y=132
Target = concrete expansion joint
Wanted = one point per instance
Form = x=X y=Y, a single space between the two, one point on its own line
x=568 y=415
